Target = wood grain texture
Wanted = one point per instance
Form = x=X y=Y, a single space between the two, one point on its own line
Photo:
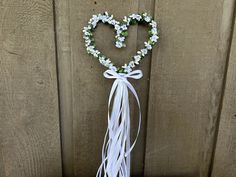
x=84 y=91
x=29 y=128
x=142 y=87
x=224 y=164
x=185 y=88
x=64 y=62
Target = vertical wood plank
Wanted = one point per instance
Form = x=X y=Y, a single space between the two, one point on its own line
x=186 y=81
x=29 y=129
x=142 y=87
x=84 y=91
x=64 y=62
x=225 y=153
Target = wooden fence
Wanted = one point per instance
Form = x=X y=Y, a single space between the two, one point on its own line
x=53 y=97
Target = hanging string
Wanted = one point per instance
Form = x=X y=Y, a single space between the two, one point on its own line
x=117 y=147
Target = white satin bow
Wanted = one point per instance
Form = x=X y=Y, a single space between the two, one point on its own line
x=116 y=147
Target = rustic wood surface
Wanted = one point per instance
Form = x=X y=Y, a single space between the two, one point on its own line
x=62 y=27
x=188 y=111
x=185 y=87
x=29 y=123
x=225 y=154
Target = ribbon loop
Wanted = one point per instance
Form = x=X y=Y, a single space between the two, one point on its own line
x=117 y=147
x=111 y=74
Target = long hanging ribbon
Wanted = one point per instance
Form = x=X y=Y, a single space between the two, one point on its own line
x=117 y=147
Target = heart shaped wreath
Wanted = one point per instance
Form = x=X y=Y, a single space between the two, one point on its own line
x=121 y=33
x=117 y=147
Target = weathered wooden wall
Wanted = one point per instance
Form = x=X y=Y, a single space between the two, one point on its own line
x=53 y=97
x=29 y=123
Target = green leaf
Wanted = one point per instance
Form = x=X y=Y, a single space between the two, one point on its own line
x=133 y=22
x=124 y=33
x=120 y=70
x=150 y=33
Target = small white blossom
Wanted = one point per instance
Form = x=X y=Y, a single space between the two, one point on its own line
x=107 y=62
x=127 y=68
x=122 y=39
x=148 y=46
x=113 y=22
x=95 y=53
x=144 y=52
x=136 y=16
x=86 y=33
x=154 y=38
x=85 y=37
x=119 y=31
x=103 y=18
x=127 y=20
x=145 y=14
x=132 y=64
x=88 y=41
x=119 y=44
x=153 y=24
x=137 y=58
x=139 y=53
x=90 y=48
x=101 y=61
x=117 y=27
x=124 y=27
x=154 y=31
x=147 y=19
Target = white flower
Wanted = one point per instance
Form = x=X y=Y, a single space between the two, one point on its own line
x=103 y=18
x=127 y=68
x=85 y=37
x=154 y=38
x=154 y=31
x=144 y=52
x=87 y=28
x=136 y=16
x=147 y=19
x=137 y=58
x=117 y=27
x=119 y=32
x=127 y=20
x=133 y=16
x=96 y=53
x=90 y=48
x=109 y=18
x=145 y=14
x=139 y=53
x=132 y=64
x=124 y=27
x=118 y=44
x=113 y=22
x=121 y=39
x=107 y=62
x=94 y=23
x=101 y=61
x=153 y=24
x=148 y=46
x=88 y=41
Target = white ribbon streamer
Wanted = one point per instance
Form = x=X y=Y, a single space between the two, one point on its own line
x=117 y=147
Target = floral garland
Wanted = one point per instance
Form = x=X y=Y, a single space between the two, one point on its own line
x=121 y=33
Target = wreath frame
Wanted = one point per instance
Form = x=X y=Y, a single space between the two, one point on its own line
x=121 y=29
